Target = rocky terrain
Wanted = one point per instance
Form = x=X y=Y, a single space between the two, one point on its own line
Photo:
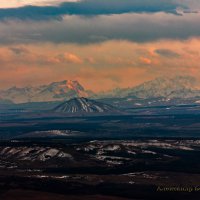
x=100 y=168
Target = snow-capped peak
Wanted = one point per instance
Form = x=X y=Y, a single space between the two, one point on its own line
x=55 y=91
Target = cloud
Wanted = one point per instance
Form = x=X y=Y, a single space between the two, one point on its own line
x=167 y=53
x=146 y=61
x=90 y=60
x=69 y=58
x=90 y=8
x=75 y=29
x=22 y=3
x=192 y=5
x=19 y=50
x=105 y=66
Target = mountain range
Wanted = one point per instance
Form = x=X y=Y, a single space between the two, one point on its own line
x=178 y=87
x=56 y=91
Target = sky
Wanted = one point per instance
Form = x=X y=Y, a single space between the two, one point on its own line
x=103 y=44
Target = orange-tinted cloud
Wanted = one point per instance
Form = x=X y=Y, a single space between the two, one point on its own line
x=98 y=66
x=69 y=58
x=146 y=61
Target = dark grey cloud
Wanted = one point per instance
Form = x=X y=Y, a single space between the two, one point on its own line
x=90 y=8
x=75 y=29
x=167 y=53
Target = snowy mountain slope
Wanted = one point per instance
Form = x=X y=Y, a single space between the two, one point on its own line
x=176 y=87
x=179 y=87
x=57 y=91
x=83 y=105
